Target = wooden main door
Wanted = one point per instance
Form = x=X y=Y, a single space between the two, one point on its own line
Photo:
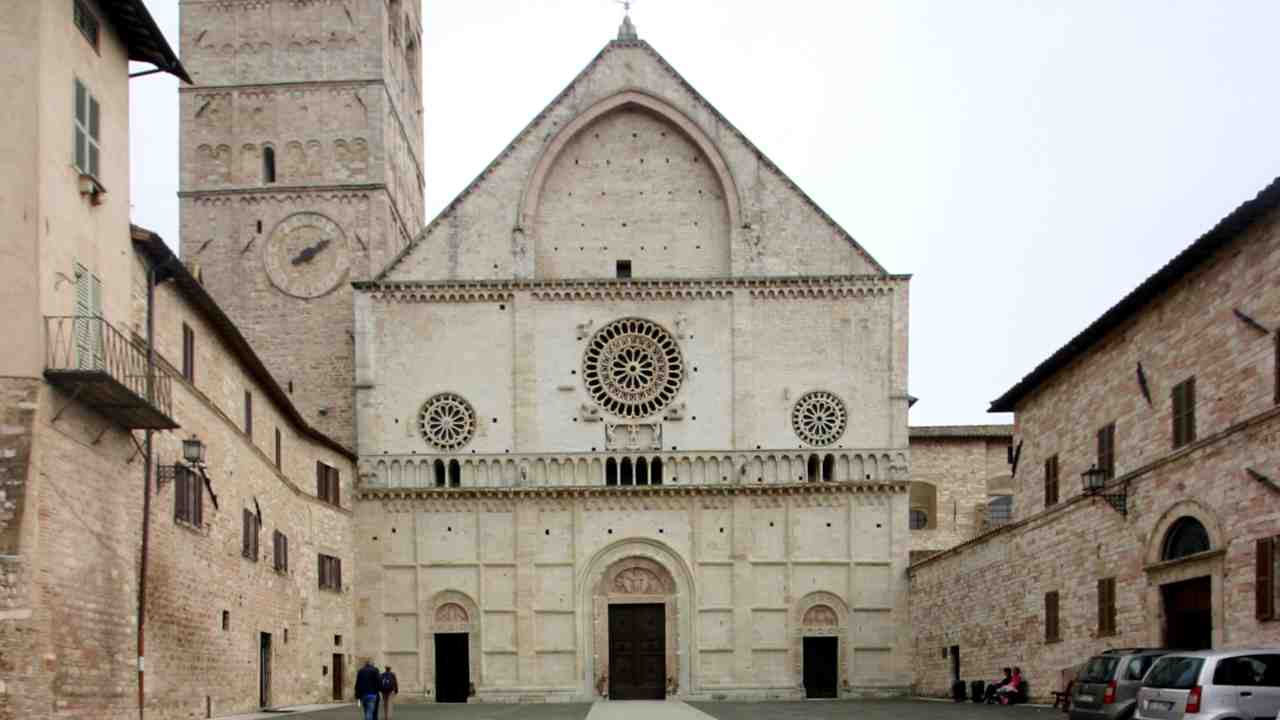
x=339 y=677
x=1188 y=614
x=637 y=652
x=821 y=666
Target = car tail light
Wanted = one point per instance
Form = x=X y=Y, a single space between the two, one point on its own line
x=1109 y=695
x=1193 y=701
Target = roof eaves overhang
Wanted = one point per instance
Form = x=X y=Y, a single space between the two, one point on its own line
x=140 y=34
x=1166 y=277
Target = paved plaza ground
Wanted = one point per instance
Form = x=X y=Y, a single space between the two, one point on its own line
x=670 y=710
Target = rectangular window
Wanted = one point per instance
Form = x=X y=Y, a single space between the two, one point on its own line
x=188 y=496
x=280 y=551
x=1107 y=450
x=1265 y=579
x=86 y=130
x=623 y=268
x=278 y=449
x=86 y=21
x=1106 y=607
x=188 y=353
x=248 y=414
x=249 y=540
x=330 y=573
x=1051 y=481
x=328 y=487
x=1051 y=617
x=1184 y=412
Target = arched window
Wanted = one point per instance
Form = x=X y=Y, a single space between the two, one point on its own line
x=628 y=477
x=919 y=519
x=611 y=472
x=923 y=501
x=1186 y=536
x=438 y=465
x=814 y=468
x=828 y=468
x=655 y=471
x=1000 y=509
x=642 y=471
x=455 y=474
x=268 y=164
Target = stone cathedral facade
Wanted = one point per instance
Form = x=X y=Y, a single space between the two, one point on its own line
x=631 y=413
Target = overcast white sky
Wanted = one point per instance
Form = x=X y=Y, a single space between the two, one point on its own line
x=1028 y=162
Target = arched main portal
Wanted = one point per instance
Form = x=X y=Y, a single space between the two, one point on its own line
x=452 y=631
x=640 y=588
x=820 y=644
x=1184 y=558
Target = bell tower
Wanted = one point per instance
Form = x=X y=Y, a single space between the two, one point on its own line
x=301 y=172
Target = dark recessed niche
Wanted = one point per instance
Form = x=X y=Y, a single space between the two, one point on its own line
x=495 y=419
x=573 y=372
x=502 y=307
x=624 y=224
x=724 y=478
x=449 y=529
x=393 y=531
x=397 y=421
x=375 y=538
x=757 y=447
x=697 y=247
x=868 y=476
x=575 y=419
x=597 y=136
x=828 y=524
x=695 y=417
x=721 y=529
x=641 y=162
x=608 y=162
x=593 y=448
x=610 y=531
x=695 y=159
x=878 y=525
x=635 y=135
x=548 y=532
x=495 y=266
x=659 y=531
x=770 y=523
x=575 y=161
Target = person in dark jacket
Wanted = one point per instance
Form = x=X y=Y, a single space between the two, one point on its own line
x=389 y=687
x=368 y=685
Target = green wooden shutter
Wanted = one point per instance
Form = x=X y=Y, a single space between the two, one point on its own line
x=83 y=323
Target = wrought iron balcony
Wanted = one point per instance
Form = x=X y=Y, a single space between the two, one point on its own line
x=102 y=368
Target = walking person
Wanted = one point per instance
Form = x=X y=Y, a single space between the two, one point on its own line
x=367 y=687
x=389 y=687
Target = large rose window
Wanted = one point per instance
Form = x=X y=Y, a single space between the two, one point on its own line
x=633 y=368
x=819 y=418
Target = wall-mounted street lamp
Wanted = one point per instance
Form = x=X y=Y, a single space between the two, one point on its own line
x=193 y=451
x=1095 y=481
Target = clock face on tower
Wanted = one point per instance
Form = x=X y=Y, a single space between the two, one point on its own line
x=306 y=255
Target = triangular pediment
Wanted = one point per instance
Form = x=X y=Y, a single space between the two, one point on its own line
x=629 y=161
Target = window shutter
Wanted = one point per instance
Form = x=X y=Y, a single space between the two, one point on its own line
x=320 y=481
x=284 y=541
x=83 y=325
x=246 y=529
x=180 y=493
x=337 y=573
x=1189 y=410
x=1107 y=606
x=93 y=136
x=321 y=570
x=1264 y=578
x=1051 y=616
x=248 y=413
x=195 y=494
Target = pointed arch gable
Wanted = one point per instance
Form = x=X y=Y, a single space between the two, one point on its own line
x=631 y=98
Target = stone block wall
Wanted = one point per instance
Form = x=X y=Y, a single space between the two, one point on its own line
x=17 y=420
x=987 y=596
x=1189 y=330
x=960 y=473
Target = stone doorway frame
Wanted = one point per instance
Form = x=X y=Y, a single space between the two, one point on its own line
x=450 y=611
x=637 y=572
x=821 y=614
x=1162 y=572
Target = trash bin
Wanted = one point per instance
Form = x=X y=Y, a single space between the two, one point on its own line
x=978 y=690
x=957 y=691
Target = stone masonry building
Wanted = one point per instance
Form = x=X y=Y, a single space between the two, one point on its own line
x=1174 y=395
x=238 y=611
x=301 y=171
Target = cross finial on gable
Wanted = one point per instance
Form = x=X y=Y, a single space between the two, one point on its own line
x=627 y=30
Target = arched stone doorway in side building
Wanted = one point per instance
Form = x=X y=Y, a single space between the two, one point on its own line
x=821 y=625
x=1184 y=574
x=636 y=590
x=454 y=655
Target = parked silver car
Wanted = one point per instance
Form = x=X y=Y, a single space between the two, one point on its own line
x=1212 y=685
x=1106 y=688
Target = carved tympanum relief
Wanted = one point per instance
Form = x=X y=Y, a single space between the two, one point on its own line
x=820 y=616
x=452 y=614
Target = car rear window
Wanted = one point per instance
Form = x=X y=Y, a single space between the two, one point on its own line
x=1099 y=669
x=1174 y=673
x=1248 y=670
x=1137 y=666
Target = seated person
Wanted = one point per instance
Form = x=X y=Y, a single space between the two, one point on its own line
x=995 y=686
x=1010 y=690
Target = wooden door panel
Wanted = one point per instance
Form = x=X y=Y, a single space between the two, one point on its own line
x=637 y=652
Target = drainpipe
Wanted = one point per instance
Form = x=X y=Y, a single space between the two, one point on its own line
x=146 y=491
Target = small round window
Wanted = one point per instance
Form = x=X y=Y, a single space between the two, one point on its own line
x=1186 y=537
x=447 y=421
